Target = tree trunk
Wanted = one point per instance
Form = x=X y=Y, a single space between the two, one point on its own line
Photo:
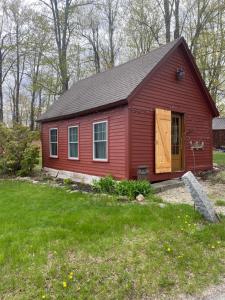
x=1 y=93
x=111 y=32
x=63 y=70
x=17 y=96
x=177 y=20
x=32 y=111
x=167 y=18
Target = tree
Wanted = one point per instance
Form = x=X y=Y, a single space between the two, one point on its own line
x=110 y=12
x=64 y=25
x=143 y=28
x=5 y=48
x=19 y=16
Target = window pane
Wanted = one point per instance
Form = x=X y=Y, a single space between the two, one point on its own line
x=100 y=131
x=73 y=134
x=53 y=135
x=54 y=149
x=100 y=150
x=73 y=150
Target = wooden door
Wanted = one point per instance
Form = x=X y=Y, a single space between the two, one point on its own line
x=177 y=141
x=162 y=141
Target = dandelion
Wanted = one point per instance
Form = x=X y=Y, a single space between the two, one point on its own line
x=71 y=273
x=70 y=277
x=64 y=284
x=43 y=297
x=168 y=249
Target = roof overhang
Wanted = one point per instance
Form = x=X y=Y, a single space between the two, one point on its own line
x=84 y=112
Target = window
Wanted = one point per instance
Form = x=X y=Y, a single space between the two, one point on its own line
x=73 y=151
x=100 y=141
x=54 y=142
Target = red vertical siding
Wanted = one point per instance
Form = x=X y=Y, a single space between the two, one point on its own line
x=117 y=132
x=185 y=96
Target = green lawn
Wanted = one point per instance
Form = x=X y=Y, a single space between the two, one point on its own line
x=101 y=249
x=219 y=158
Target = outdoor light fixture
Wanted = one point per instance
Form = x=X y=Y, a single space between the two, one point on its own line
x=180 y=73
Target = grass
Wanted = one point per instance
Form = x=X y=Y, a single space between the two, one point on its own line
x=220 y=203
x=60 y=245
x=219 y=158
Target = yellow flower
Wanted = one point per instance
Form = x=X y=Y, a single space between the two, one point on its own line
x=43 y=297
x=168 y=249
x=213 y=247
x=70 y=277
x=218 y=242
x=64 y=284
x=71 y=273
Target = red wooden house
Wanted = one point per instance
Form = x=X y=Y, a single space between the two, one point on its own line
x=152 y=112
x=219 y=133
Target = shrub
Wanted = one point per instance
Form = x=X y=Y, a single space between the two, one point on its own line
x=132 y=188
x=105 y=185
x=29 y=160
x=128 y=188
x=17 y=153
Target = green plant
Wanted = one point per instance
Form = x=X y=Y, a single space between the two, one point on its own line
x=68 y=181
x=105 y=185
x=17 y=153
x=132 y=188
x=220 y=203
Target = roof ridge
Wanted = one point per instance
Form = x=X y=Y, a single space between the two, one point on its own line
x=129 y=61
x=107 y=87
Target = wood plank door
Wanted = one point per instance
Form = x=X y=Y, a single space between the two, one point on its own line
x=177 y=142
x=162 y=140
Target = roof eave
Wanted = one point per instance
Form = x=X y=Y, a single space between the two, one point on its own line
x=84 y=112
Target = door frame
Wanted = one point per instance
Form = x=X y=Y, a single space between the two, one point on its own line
x=182 y=115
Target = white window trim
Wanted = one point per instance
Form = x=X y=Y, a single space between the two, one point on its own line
x=69 y=157
x=50 y=148
x=107 y=143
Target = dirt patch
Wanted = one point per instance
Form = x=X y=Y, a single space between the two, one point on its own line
x=181 y=195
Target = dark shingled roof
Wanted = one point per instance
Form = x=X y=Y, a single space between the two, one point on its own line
x=218 y=123
x=107 y=87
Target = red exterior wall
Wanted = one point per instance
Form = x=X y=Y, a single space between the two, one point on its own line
x=117 y=133
x=218 y=138
x=132 y=127
x=166 y=92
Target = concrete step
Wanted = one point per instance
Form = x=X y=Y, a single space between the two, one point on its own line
x=167 y=185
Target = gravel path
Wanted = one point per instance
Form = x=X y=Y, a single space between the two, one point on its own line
x=181 y=195
x=215 y=292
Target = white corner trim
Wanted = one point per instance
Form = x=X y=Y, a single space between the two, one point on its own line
x=77 y=177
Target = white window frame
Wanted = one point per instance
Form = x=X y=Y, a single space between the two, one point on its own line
x=78 y=133
x=50 y=143
x=107 y=143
